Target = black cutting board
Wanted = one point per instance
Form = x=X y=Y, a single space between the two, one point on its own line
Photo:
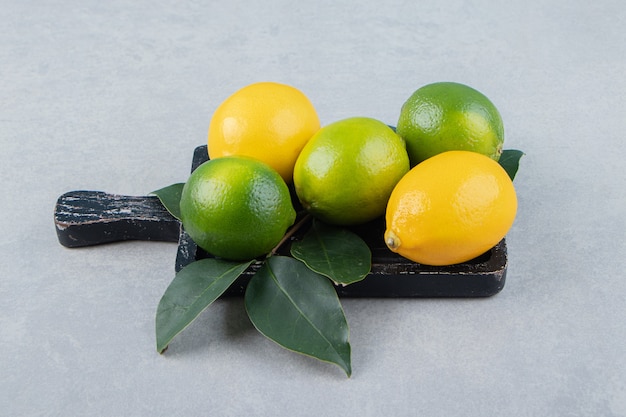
x=85 y=218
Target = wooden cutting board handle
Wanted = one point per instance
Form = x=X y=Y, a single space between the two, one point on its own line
x=85 y=218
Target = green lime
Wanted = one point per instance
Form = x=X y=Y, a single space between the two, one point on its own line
x=347 y=170
x=236 y=208
x=450 y=116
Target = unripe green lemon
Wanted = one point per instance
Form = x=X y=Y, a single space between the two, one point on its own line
x=450 y=116
x=347 y=170
x=236 y=207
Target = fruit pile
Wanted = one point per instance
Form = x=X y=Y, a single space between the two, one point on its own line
x=435 y=179
x=448 y=209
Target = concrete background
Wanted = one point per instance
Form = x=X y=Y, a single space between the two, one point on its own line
x=115 y=95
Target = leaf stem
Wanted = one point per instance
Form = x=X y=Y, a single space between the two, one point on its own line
x=290 y=233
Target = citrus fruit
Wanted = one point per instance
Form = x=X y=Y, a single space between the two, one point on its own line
x=345 y=173
x=268 y=121
x=236 y=208
x=450 y=116
x=450 y=209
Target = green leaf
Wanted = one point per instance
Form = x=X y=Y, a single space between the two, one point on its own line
x=299 y=309
x=509 y=160
x=335 y=252
x=170 y=198
x=193 y=289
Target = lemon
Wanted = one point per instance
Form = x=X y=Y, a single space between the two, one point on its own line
x=268 y=121
x=346 y=172
x=236 y=208
x=450 y=116
x=450 y=209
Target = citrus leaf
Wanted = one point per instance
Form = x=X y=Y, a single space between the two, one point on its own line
x=192 y=290
x=299 y=309
x=335 y=252
x=509 y=160
x=170 y=198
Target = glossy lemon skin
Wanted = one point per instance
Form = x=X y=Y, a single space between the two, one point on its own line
x=450 y=209
x=346 y=172
x=236 y=208
x=268 y=121
x=448 y=116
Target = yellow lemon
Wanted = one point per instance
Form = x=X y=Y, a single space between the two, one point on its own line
x=450 y=209
x=347 y=170
x=268 y=121
x=236 y=207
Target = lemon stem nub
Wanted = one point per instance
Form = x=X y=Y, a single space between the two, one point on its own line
x=392 y=241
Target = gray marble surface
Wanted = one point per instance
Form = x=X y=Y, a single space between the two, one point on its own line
x=115 y=95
